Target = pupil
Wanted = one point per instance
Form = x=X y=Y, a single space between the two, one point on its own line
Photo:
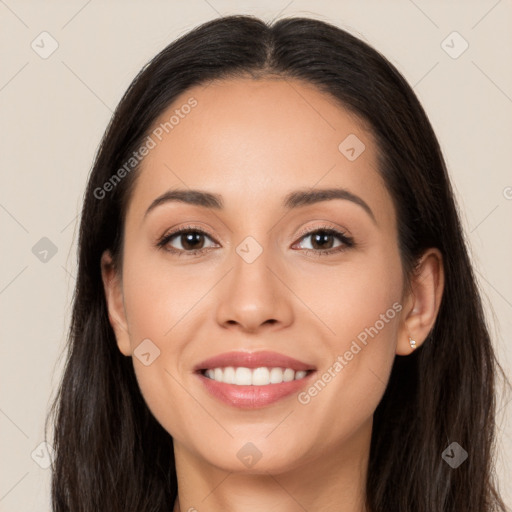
x=190 y=238
x=321 y=238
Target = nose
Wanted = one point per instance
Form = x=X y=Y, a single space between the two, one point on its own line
x=253 y=296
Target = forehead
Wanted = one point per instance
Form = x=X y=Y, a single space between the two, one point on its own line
x=253 y=140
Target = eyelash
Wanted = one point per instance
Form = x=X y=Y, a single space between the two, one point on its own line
x=347 y=241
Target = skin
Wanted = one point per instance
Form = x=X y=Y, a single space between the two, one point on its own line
x=254 y=141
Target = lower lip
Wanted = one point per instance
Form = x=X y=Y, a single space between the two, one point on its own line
x=253 y=397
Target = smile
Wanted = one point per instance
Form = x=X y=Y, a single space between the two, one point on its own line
x=241 y=376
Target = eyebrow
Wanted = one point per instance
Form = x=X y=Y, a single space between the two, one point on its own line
x=295 y=199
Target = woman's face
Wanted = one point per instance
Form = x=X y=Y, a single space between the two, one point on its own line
x=259 y=281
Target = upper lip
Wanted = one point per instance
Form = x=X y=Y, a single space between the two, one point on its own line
x=252 y=360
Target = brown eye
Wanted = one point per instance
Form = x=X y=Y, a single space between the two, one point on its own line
x=186 y=240
x=191 y=240
x=323 y=241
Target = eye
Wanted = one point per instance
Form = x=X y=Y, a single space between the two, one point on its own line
x=190 y=240
x=323 y=240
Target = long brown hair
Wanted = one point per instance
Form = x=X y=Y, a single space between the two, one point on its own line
x=111 y=453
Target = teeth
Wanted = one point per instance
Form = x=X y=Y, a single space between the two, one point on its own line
x=242 y=376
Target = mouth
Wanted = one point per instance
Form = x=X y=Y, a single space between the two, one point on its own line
x=252 y=380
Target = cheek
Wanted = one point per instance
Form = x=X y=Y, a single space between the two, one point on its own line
x=162 y=301
x=353 y=296
x=159 y=295
x=361 y=306
x=164 y=393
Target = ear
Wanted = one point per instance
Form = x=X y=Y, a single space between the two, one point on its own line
x=422 y=301
x=112 y=285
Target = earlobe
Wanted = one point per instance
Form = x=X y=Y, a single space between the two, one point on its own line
x=114 y=297
x=422 y=302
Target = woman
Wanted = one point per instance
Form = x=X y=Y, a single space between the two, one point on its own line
x=275 y=308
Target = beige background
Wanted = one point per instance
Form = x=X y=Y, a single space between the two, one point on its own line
x=53 y=112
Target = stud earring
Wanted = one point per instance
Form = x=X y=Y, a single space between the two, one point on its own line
x=412 y=343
